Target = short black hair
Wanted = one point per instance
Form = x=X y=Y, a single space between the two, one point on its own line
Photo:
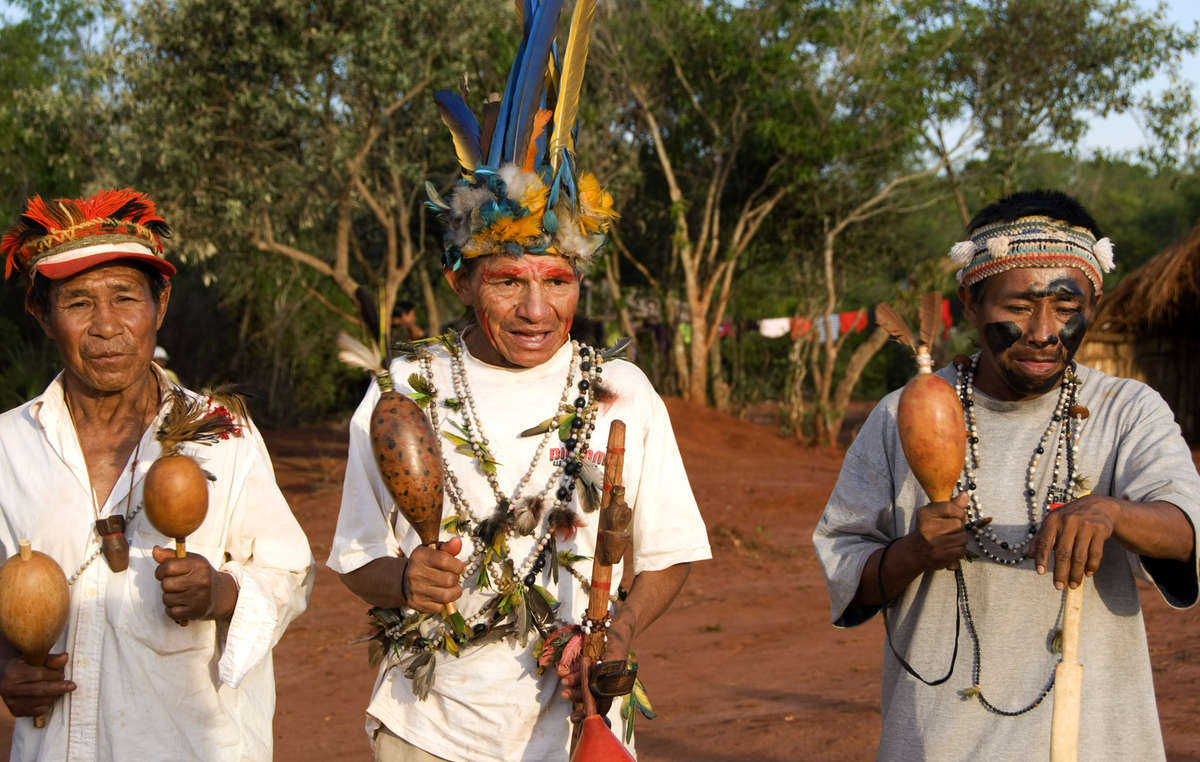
x=38 y=298
x=1036 y=203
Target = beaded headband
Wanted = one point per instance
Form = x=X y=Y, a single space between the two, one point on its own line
x=1031 y=242
x=66 y=236
x=519 y=191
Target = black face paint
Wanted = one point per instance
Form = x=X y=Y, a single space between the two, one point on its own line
x=1001 y=336
x=1072 y=334
x=1061 y=288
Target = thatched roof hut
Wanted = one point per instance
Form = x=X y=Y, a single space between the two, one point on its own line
x=1146 y=329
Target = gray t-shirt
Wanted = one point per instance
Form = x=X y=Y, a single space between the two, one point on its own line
x=1131 y=448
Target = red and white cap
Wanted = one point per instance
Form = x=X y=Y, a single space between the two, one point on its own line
x=60 y=238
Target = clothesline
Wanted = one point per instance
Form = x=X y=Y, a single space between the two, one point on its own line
x=854 y=321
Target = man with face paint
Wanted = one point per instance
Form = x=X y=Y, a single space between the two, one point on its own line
x=1071 y=477
x=523 y=414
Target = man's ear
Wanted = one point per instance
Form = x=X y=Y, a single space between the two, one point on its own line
x=460 y=282
x=970 y=308
x=163 y=299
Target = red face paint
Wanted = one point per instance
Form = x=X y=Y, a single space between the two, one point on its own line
x=525 y=307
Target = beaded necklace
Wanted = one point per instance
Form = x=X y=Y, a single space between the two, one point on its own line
x=489 y=566
x=1066 y=448
x=1003 y=552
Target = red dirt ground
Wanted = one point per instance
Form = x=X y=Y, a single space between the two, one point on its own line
x=745 y=666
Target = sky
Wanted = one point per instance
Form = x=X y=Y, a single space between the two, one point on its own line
x=1122 y=133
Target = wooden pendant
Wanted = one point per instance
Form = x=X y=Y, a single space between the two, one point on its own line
x=113 y=544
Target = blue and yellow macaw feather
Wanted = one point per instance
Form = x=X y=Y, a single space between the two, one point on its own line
x=571 y=82
x=463 y=126
x=530 y=68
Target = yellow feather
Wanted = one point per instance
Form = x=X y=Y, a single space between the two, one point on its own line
x=534 y=197
x=571 y=80
x=596 y=205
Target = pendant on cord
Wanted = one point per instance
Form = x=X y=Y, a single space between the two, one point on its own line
x=113 y=544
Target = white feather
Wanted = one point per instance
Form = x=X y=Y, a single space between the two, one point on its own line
x=962 y=253
x=1104 y=254
x=355 y=354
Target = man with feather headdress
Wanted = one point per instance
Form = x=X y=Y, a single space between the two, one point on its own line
x=125 y=680
x=1070 y=477
x=522 y=412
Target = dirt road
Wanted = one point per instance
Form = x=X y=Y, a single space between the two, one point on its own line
x=745 y=667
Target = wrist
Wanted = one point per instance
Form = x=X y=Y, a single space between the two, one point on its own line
x=405 y=590
x=224 y=597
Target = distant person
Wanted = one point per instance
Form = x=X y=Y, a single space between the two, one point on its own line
x=404 y=323
x=402 y=326
x=534 y=409
x=1070 y=475
x=125 y=681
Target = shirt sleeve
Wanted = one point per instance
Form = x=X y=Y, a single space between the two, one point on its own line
x=268 y=556
x=667 y=526
x=858 y=520
x=1153 y=463
x=363 y=531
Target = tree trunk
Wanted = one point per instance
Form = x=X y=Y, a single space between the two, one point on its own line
x=433 y=317
x=722 y=397
x=854 y=370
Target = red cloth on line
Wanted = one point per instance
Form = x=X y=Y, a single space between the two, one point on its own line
x=855 y=321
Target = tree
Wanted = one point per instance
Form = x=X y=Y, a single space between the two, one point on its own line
x=688 y=79
x=306 y=129
x=855 y=104
x=1027 y=75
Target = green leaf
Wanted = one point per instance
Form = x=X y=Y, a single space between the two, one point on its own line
x=420 y=384
x=564 y=428
x=546 y=596
x=482 y=579
x=453 y=524
x=456 y=439
x=453 y=403
x=567 y=558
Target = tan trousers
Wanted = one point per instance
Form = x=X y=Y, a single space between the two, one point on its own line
x=390 y=747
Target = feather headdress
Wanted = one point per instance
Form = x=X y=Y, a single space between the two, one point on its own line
x=65 y=236
x=520 y=191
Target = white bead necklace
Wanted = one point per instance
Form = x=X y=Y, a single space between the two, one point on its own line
x=1066 y=448
x=588 y=363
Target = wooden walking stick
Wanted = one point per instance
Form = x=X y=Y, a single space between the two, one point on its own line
x=1068 y=684
x=593 y=739
x=34 y=603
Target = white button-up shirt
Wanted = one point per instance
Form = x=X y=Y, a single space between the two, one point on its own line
x=147 y=688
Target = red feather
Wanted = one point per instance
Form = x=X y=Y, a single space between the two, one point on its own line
x=69 y=218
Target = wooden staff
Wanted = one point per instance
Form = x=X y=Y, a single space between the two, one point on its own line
x=34 y=603
x=593 y=740
x=1068 y=684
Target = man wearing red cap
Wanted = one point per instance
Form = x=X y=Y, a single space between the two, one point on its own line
x=124 y=680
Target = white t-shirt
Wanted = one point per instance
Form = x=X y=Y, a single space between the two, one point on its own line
x=490 y=704
x=147 y=688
